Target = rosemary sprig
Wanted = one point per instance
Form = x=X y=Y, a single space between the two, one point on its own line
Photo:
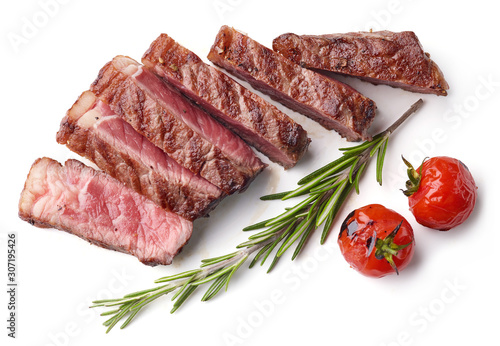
x=327 y=189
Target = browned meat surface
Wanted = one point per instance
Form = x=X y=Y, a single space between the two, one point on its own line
x=331 y=103
x=92 y=130
x=259 y=123
x=171 y=122
x=382 y=57
x=93 y=206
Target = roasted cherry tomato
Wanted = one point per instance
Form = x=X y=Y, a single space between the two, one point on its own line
x=441 y=192
x=376 y=241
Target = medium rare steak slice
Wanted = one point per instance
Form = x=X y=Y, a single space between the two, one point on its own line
x=382 y=57
x=92 y=130
x=94 y=206
x=259 y=123
x=170 y=121
x=331 y=103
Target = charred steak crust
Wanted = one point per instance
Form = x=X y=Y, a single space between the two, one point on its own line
x=95 y=207
x=259 y=123
x=157 y=113
x=331 y=103
x=381 y=57
x=116 y=148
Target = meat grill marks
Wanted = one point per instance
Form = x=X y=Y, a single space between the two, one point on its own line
x=382 y=57
x=93 y=206
x=170 y=121
x=259 y=123
x=92 y=130
x=331 y=103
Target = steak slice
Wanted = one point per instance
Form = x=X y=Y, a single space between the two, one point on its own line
x=332 y=104
x=94 y=206
x=259 y=123
x=170 y=121
x=381 y=57
x=92 y=130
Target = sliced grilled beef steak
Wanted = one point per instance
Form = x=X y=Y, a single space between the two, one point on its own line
x=381 y=57
x=96 y=207
x=170 y=121
x=92 y=130
x=331 y=103
x=259 y=123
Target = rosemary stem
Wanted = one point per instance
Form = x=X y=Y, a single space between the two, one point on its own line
x=413 y=108
x=241 y=254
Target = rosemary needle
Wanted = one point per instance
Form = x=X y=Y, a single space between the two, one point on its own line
x=327 y=189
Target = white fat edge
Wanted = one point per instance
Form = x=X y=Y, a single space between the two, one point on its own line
x=88 y=119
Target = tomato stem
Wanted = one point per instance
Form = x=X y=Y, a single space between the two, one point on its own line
x=386 y=248
x=414 y=177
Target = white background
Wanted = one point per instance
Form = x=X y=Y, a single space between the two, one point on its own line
x=449 y=293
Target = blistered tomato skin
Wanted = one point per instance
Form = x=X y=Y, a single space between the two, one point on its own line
x=446 y=195
x=366 y=234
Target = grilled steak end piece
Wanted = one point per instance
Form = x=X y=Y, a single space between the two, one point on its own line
x=94 y=206
x=259 y=123
x=381 y=57
x=91 y=129
x=331 y=103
